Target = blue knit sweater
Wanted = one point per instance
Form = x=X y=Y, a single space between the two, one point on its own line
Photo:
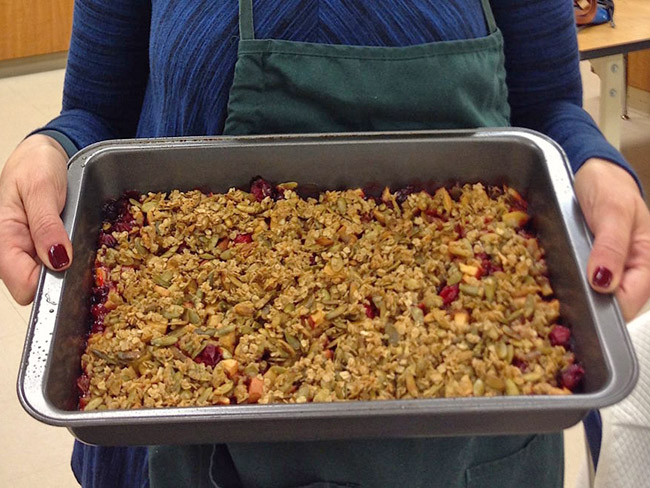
x=151 y=68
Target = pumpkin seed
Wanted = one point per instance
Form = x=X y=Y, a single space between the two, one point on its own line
x=342 y=205
x=193 y=316
x=147 y=206
x=222 y=331
x=469 y=289
x=224 y=389
x=173 y=312
x=292 y=341
x=490 y=288
x=514 y=316
x=495 y=382
x=142 y=251
x=479 y=387
x=417 y=314
x=207 y=332
x=94 y=403
x=393 y=335
x=170 y=252
x=511 y=388
x=203 y=397
x=252 y=370
x=167 y=340
x=454 y=277
x=128 y=356
x=103 y=355
x=332 y=314
x=502 y=350
x=529 y=306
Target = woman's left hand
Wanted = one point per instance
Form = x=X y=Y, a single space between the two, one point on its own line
x=620 y=221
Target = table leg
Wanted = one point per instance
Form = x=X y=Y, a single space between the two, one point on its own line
x=611 y=71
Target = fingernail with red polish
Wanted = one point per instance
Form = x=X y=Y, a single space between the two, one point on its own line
x=58 y=256
x=602 y=277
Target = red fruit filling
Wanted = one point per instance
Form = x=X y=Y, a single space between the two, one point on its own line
x=107 y=240
x=572 y=376
x=83 y=384
x=520 y=363
x=402 y=194
x=260 y=188
x=243 y=238
x=449 y=294
x=371 y=309
x=210 y=355
x=560 y=336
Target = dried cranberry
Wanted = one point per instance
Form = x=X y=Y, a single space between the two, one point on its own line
x=98 y=311
x=210 y=355
x=423 y=307
x=460 y=230
x=98 y=327
x=487 y=267
x=560 y=336
x=99 y=294
x=116 y=210
x=107 y=240
x=572 y=376
x=373 y=191
x=520 y=363
x=449 y=294
x=243 y=238
x=371 y=309
x=125 y=223
x=402 y=194
x=83 y=384
x=260 y=188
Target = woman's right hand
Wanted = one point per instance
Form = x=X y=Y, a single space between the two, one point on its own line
x=32 y=194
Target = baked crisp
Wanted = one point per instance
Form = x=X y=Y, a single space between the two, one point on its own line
x=267 y=297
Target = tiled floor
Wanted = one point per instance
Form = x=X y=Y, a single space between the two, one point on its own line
x=33 y=454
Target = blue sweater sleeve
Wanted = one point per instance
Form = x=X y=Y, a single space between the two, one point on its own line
x=543 y=77
x=107 y=70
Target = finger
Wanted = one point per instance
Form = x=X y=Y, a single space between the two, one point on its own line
x=632 y=294
x=634 y=289
x=21 y=278
x=19 y=265
x=612 y=230
x=43 y=203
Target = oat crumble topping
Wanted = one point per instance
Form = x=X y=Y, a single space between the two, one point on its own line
x=265 y=297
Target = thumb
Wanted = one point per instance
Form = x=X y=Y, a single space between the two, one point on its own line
x=612 y=228
x=43 y=201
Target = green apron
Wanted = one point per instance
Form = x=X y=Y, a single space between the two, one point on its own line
x=289 y=87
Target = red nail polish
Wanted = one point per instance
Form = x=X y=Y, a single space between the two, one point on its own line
x=602 y=277
x=58 y=256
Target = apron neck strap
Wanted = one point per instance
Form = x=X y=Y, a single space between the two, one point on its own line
x=246 y=28
x=489 y=16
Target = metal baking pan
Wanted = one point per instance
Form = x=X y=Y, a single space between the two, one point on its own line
x=525 y=160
